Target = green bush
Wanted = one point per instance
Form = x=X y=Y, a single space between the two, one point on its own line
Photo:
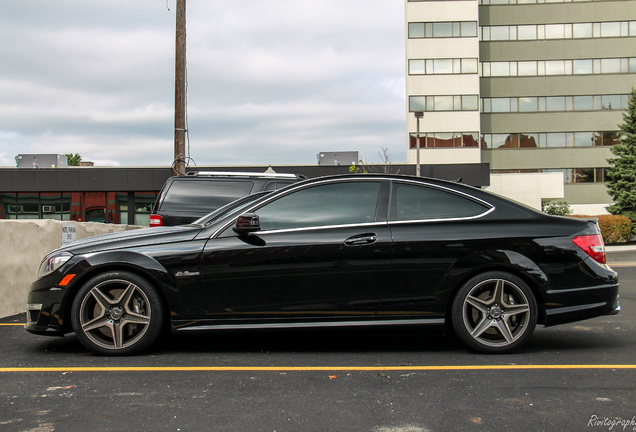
x=614 y=228
x=556 y=208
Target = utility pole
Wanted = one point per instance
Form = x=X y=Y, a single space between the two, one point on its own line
x=180 y=91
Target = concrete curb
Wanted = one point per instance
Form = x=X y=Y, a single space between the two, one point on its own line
x=626 y=248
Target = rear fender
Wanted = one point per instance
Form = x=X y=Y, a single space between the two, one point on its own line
x=502 y=260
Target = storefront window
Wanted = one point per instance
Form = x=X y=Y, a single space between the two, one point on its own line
x=143 y=207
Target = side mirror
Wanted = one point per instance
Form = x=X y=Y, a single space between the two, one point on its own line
x=247 y=223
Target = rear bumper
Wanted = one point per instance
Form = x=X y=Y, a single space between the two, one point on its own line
x=590 y=302
x=615 y=310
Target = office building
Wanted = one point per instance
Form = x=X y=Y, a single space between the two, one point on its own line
x=535 y=88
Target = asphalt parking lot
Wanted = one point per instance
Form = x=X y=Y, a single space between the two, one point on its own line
x=575 y=377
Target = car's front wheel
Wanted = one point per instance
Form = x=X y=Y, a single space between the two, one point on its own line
x=494 y=312
x=117 y=313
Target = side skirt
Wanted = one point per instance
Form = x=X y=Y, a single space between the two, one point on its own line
x=191 y=326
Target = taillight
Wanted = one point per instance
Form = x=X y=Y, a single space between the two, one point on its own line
x=156 y=220
x=592 y=245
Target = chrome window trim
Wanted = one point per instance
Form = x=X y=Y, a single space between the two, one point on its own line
x=366 y=177
x=393 y=222
x=322 y=227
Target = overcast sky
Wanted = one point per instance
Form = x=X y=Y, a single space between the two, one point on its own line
x=269 y=81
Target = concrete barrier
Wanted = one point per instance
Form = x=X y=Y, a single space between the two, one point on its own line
x=23 y=244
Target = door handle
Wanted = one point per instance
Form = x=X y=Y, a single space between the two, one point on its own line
x=361 y=240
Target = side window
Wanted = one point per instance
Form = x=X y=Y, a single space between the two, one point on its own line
x=186 y=195
x=275 y=185
x=329 y=204
x=412 y=202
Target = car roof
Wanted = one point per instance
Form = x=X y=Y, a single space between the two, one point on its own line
x=241 y=174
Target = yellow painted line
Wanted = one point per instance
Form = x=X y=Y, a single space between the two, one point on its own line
x=622 y=264
x=12 y=324
x=308 y=368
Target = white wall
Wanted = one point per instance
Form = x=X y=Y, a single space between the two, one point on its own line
x=528 y=188
x=590 y=209
x=24 y=244
x=444 y=156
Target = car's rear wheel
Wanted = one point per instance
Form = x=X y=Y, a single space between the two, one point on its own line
x=117 y=313
x=494 y=312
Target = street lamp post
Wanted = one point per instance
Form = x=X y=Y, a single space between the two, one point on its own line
x=418 y=116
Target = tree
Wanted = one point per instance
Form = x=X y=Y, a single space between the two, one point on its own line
x=73 y=159
x=622 y=174
x=385 y=166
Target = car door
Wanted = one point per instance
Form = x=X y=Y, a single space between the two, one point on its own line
x=322 y=254
x=432 y=227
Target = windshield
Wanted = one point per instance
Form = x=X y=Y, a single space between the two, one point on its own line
x=234 y=206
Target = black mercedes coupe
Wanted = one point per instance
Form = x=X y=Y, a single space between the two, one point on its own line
x=352 y=250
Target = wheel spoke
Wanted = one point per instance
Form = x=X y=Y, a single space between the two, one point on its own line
x=498 y=294
x=118 y=335
x=102 y=299
x=126 y=296
x=478 y=304
x=97 y=323
x=504 y=329
x=512 y=310
x=134 y=318
x=483 y=325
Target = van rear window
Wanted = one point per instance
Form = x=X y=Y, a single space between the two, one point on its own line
x=204 y=195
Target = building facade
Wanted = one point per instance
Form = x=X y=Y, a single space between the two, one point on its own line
x=527 y=86
x=127 y=195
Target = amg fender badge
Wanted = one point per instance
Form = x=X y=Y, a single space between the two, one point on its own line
x=186 y=273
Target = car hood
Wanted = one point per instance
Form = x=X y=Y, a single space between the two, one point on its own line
x=131 y=238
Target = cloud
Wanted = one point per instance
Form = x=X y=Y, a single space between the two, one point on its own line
x=269 y=82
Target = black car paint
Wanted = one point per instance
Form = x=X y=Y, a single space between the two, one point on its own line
x=410 y=272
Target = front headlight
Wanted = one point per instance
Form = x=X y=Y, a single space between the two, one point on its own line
x=53 y=262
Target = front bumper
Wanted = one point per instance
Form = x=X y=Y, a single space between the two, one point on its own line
x=45 y=309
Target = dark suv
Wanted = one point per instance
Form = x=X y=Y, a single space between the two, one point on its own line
x=185 y=199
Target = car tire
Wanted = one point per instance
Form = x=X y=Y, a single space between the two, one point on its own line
x=494 y=312
x=117 y=313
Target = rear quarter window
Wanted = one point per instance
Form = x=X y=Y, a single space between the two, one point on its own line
x=415 y=202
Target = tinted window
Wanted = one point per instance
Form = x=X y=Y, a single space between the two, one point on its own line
x=412 y=202
x=201 y=195
x=330 y=204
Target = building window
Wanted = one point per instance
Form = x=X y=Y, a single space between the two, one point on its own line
x=523 y=2
x=143 y=207
x=442 y=29
x=570 y=175
x=105 y=207
x=444 y=103
x=557 y=31
x=554 y=103
x=443 y=66
x=549 y=140
x=445 y=140
x=558 y=67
